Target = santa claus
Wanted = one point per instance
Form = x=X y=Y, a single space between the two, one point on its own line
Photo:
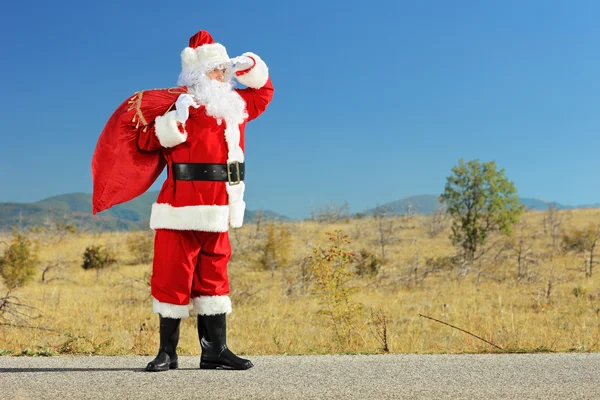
x=200 y=139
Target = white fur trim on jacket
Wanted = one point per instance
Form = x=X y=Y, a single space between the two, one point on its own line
x=204 y=57
x=235 y=193
x=232 y=138
x=237 y=206
x=167 y=310
x=212 y=305
x=195 y=218
x=255 y=77
x=166 y=130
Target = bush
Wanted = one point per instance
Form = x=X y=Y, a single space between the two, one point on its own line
x=580 y=240
x=278 y=248
x=368 y=263
x=19 y=262
x=332 y=277
x=97 y=257
x=141 y=246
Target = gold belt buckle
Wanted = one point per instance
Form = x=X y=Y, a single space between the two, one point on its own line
x=237 y=168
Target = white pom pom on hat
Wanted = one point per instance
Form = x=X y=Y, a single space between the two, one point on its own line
x=203 y=53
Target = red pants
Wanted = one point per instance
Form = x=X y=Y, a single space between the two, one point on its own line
x=190 y=264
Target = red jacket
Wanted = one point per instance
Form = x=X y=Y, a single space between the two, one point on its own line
x=205 y=205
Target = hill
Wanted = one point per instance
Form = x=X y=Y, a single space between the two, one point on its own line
x=427 y=204
x=75 y=208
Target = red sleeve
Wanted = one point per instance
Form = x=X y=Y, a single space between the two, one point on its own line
x=257 y=100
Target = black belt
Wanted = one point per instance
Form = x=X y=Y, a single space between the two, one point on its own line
x=232 y=172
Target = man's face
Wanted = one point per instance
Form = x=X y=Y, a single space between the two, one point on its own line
x=217 y=74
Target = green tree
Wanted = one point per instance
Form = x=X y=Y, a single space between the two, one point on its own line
x=19 y=262
x=480 y=200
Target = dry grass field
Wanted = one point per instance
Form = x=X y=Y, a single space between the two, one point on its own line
x=525 y=294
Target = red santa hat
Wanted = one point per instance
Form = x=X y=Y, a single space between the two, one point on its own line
x=203 y=53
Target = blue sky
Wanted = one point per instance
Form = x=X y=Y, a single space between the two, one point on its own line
x=374 y=101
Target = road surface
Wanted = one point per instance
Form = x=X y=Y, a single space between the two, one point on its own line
x=491 y=376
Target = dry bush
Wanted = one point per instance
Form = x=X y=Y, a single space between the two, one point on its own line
x=367 y=263
x=585 y=242
x=332 y=286
x=277 y=250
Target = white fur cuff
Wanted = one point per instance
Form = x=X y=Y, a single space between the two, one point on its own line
x=167 y=132
x=212 y=305
x=167 y=310
x=255 y=77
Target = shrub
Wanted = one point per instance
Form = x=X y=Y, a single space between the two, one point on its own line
x=368 y=264
x=580 y=240
x=277 y=250
x=19 y=262
x=332 y=277
x=97 y=257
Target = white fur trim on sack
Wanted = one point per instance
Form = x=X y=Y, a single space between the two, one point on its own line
x=255 y=77
x=167 y=310
x=167 y=132
x=195 y=218
x=212 y=305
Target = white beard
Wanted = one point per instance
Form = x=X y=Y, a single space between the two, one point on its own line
x=219 y=98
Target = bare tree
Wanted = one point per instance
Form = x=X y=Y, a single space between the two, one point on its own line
x=409 y=212
x=592 y=246
x=385 y=229
x=259 y=217
x=331 y=213
x=553 y=221
x=414 y=267
x=492 y=254
x=522 y=248
x=439 y=221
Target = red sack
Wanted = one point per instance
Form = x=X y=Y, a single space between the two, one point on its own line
x=120 y=170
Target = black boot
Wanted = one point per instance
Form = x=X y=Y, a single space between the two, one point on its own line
x=212 y=333
x=167 y=355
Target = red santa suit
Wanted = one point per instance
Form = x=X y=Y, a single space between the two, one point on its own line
x=192 y=217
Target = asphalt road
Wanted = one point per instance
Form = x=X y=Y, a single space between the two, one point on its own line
x=506 y=376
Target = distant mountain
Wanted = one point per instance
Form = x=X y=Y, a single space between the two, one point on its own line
x=76 y=208
x=537 y=204
x=423 y=204
x=427 y=204
x=597 y=205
